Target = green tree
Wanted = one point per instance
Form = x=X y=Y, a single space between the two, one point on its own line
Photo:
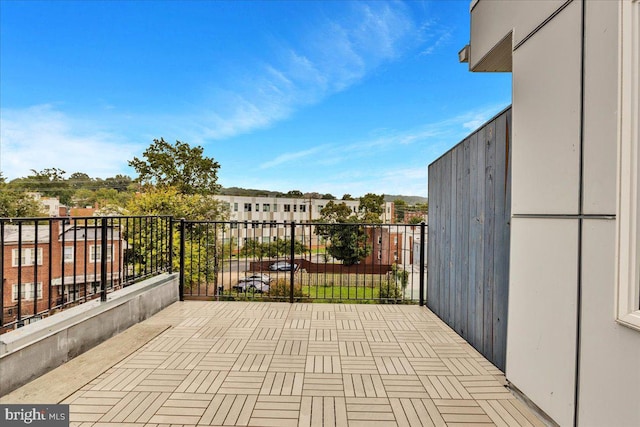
x=17 y=204
x=294 y=194
x=179 y=166
x=415 y=220
x=348 y=240
x=347 y=197
x=371 y=208
x=400 y=206
x=49 y=182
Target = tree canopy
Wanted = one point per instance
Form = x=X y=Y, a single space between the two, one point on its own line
x=177 y=165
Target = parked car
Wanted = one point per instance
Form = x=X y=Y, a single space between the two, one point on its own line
x=283 y=266
x=264 y=278
x=251 y=286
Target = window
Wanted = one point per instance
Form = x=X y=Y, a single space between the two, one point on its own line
x=295 y=208
x=255 y=224
x=247 y=207
x=235 y=207
x=628 y=212
x=266 y=207
x=233 y=225
x=95 y=253
x=303 y=208
x=27 y=291
x=28 y=257
x=257 y=207
x=275 y=207
x=68 y=254
x=379 y=240
x=274 y=224
x=287 y=208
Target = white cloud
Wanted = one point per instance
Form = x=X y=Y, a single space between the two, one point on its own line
x=331 y=57
x=40 y=137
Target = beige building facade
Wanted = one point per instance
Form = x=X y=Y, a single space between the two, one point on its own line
x=573 y=340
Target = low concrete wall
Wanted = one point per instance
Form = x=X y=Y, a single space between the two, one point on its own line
x=37 y=348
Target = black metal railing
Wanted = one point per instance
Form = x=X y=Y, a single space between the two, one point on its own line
x=48 y=264
x=382 y=263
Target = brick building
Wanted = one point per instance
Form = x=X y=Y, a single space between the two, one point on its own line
x=59 y=263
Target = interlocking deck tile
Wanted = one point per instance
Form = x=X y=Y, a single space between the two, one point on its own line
x=369 y=412
x=393 y=366
x=429 y=366
x=229 y=345
x=386 y=349
x=295 y=334
x=201 y=382
x=182 y=361
x=347 y=315
x=230 y=409
x=218 y=361
x=297 y=324
x=363 y=385
x=252 y=362
x=276 y=411
x=323 y=411
x=266 y=333
x=292 y=347
x=322 y=385
x=239 y=333
x=323 y=315
x=323 y=334
x=354 y=348
x=351 y=335
x=282 y=384
x=404 y=386
x=416 y=412
x=323 y=365
x=380 y=335
x=242 y=383
x=323 y=348
x=358 y=365
x=283 y=363
x=260 y=347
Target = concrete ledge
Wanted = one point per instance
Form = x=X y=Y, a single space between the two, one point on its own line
x=37 y=348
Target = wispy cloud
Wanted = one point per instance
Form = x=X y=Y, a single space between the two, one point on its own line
x=290 y=157
x=334 y=55
x=41 y=136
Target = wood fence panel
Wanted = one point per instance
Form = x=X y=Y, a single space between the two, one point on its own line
x=468 y=253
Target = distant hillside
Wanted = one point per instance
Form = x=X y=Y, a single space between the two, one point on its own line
x=410 y=200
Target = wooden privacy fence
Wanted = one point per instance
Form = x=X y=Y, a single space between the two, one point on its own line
x=468 y=248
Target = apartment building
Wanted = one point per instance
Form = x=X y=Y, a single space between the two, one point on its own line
x=49 y=265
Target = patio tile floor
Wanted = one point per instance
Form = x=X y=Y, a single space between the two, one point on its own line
x=279 y=364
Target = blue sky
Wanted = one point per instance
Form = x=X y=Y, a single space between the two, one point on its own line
x=334 y=97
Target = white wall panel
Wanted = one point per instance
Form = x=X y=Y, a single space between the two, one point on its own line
x=546 y=118
x=541 y=331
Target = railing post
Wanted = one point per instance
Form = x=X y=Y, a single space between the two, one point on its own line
x=103 y=260
x=292 y=254
x=182 y=255
x=170 y=248
x=423 y=227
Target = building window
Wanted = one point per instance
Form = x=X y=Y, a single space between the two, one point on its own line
x=257 y=207
x=247 y=207
x=274 y=224
x=303 y=208
x=379 y=240
x=235 y=207
x=68 y=254
x=628 y=212
x=287 y=208
x=255 y=224
x=275 y=207
x=295 y=208
x=266 y=207
x=320 y=207
x=27 y=291
x=95 y=253
x=28 y=257
x=233 y=225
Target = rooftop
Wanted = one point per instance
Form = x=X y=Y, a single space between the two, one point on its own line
x=251 y=363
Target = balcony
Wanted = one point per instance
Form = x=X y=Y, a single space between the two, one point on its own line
x=265 y=363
